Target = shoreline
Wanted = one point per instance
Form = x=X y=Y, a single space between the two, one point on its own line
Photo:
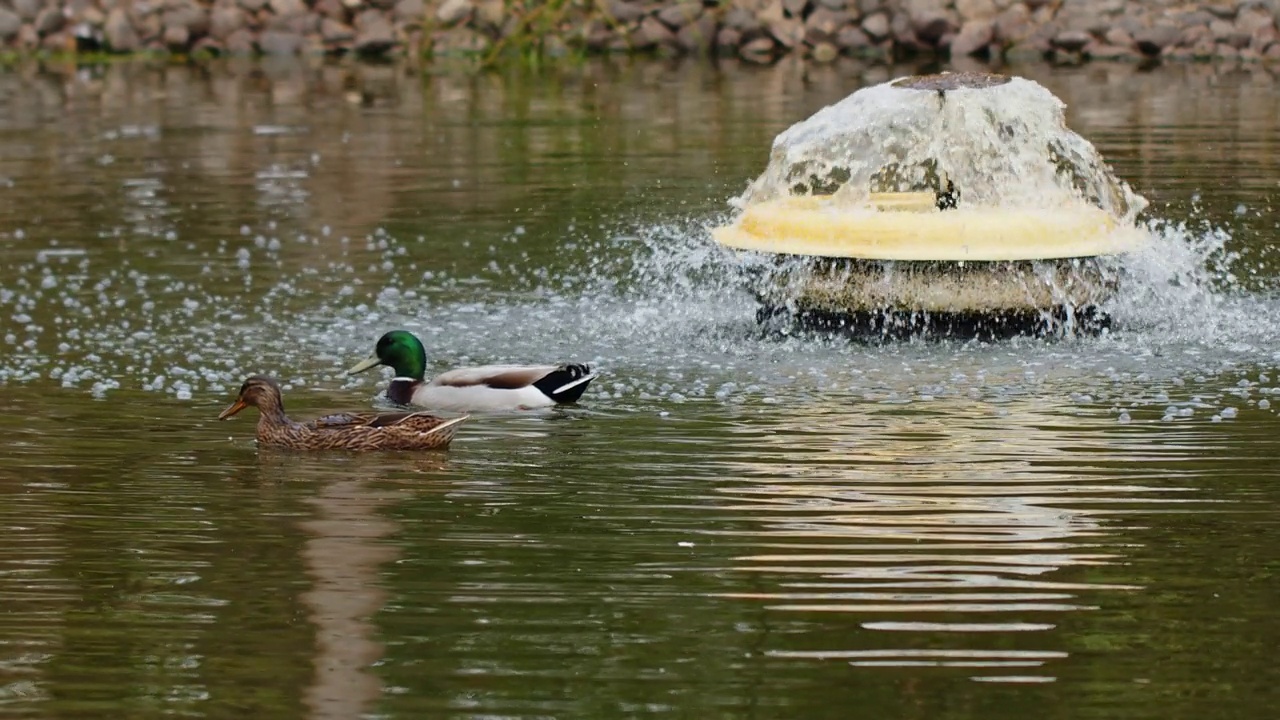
x=757 y=31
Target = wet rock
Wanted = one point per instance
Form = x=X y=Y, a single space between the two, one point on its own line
x=225 y=20
x=836 y=5
x=279 y=43
x=453 y=12
x=28 y=38
x=825 y=52
x=788 y=32
x=1221 y=29
x=176 y=37
x=876 y=26
x=331 y=9
x=240 y=42
x=334 y=32
x=626 y=12
x=252 y=5
x=1252 y=19
x=10 y=24
x=759 y=50
x=974 y=37
x=681 y=14
x=409 y=11
x=1072 y=40
x=374 y=35
x=1154 y=39
x=121 y=36
x=50 y=20
x=794 y=8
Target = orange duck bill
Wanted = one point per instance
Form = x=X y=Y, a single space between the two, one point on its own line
x=236 y=407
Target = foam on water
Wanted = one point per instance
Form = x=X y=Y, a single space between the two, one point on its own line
x=1003 y=142
x=659 y=308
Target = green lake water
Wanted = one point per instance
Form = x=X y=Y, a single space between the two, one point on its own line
x=729 y=525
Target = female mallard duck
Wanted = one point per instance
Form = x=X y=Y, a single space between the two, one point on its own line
x=343 y=431
x=489 y=387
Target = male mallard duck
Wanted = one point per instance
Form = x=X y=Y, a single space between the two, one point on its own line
x=488 y=387
x=343 y=431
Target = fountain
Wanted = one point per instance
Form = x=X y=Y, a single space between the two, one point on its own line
x=950 y=203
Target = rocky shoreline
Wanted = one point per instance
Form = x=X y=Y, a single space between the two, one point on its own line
x=755 y=30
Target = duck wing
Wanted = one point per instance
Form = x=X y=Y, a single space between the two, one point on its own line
x=497 y=377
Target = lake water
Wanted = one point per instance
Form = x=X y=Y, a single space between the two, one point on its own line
x=729 y=525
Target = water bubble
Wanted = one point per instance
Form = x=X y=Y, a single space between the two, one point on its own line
x=1124 y=418
x=1264 y=404
x=1228 y=412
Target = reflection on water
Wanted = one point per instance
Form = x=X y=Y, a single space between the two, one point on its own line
x=948 y=523
x=731 y=525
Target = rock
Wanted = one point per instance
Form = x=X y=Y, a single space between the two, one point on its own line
x=10 y=24
x=285 y=8
x=795 y=8
x=1154 y=39
x=50 y=20
x=252 y=5
x=239 y=42
x=121 y=37
x=206 y=46
x=823 y=24
x=741 y=20
x=1221 y=8
x=1072 y=40
x=759 y=50
x=490 y=13
x=279 y=43
x=176 y=37
x=1119 y=37
x=728 y=39
x=1263 y=37
x=374 y=35
x=681 y=14
x=1272 y=52
x=1221 y=29
x=225 y=20
x=973 y=38
x=1014 y=25
x=976 y=10
x=852 y=38
x=932 y=26
x=876 y=26
x=836 y=5
x=825 y=52
x=698 y=36
x=1190 y=37
x=1107 y=51
x=26 y=9
x=1252 y=19
x=452 y=12
x=334 y=32
x=626 y=12
x=652 y=33
x=789 y=32
x=410 y=12
x=331 y=9
x=458 y=41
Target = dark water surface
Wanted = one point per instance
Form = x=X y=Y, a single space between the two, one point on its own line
x=730 y=525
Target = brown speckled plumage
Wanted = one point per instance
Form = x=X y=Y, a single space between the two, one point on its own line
x=343 y=431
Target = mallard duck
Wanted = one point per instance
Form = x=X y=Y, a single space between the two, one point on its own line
x=488 y=387
x=342 y=431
